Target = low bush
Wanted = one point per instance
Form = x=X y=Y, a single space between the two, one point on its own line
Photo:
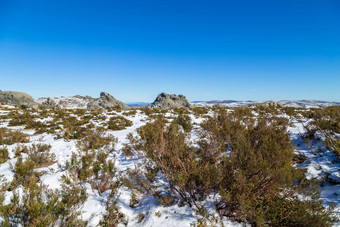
x=327 y=122
x=247 y=164
x=95 y=139
x=104 y=175
x=127 y=151
x=40 y=155
x=94 y=168
x=39 y=206
x=198 y=111
x=9 y=137
x=118 y=123
x=130 y=113
x=184 y=121
x=3 y=154
x=20 y=119
x=113 y=216
x=24 y=173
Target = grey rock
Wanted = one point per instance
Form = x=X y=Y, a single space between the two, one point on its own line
x=165 y=101
x=106 y=101
x=49 y=102
x=82 y=102
x=16 y=98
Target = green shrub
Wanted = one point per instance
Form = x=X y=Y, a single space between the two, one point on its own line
x=94 y=168
x=20 y=149
x=72 y=197
x=24 y=173
x=95 y=139
x=326 y=119
x=39 y=206
x=184 y=121
x=40 y=155
x=3 y=155
x=20 y=119
x=36 y=207
x=9 y=137
x=130 y=113
x=113 y=216
x=247 y=163
x=327 y=122
x=127 y=151
x=104 y=174
x=198 y=111
x=118 y=123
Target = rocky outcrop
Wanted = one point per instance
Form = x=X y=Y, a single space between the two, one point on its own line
x=16 y=98
x=82 y=102
x=165 y=101
x=49 y=102
x=106 y=101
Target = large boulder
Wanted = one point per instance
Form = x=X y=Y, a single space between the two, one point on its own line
x=16 y=98
x=106 y=101
x=165 y=101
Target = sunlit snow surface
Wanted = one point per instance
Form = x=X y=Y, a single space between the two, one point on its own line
x=317 y=165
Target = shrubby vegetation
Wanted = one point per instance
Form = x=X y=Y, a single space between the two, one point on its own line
x=184 y=121
x=40 y=155
x=327 y=122
x=92 y=139
x=24 y=173
x=247 y=163
x=118 y=123
x=242 y=162
x=39 y=206
x=9 y=137
x=3 y=154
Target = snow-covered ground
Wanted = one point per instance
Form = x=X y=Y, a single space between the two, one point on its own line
x=319 y=163
x=285 y=103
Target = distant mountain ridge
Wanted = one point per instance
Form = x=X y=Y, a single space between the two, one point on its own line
x=286 y=103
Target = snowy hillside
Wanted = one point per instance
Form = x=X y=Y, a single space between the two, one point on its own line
x=319 y=162
x=286 y=103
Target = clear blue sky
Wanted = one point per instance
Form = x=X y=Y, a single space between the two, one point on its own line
x=204 y=49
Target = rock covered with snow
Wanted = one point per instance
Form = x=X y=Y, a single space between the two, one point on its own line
x=165 y=101
x=16 y=98
x=82 y=102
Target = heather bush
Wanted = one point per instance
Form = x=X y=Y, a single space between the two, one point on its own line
x=181 y=111
x=9 y=137
x=20 y=119
x=72 y=197
x=198 y=111
x=3 y=154
x=95 y=139
x=95 y=168
x=104 y=175
x=20 y=149
x=184 y=121
x=326 y=119
x=40 y=155
x=118 y=123
x=24 y=173
x=113 y=216
x=327 y=122
x=39 y=206
x=130 y=113
x=247 y=163
x=127 y=151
